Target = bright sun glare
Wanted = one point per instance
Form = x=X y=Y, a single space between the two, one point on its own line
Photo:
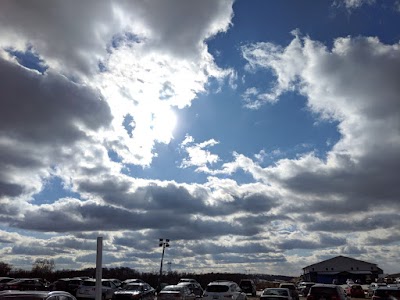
x=164 y=122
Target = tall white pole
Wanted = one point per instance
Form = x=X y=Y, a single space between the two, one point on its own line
x=99 y=258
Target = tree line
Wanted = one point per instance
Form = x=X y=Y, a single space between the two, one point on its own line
x=45 y=268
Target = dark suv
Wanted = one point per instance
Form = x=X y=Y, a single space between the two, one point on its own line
x=386 y=293
x=24 y=284
x=248 y=286
x=326 y=292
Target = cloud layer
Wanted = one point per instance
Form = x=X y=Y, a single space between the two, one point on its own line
x=119 y=74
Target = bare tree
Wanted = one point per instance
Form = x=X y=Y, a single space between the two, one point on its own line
x=5 y=268
x=43 y=266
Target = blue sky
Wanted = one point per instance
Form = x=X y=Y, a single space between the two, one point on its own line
x=256 y=135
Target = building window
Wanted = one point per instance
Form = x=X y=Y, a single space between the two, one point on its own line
x=357 y=268
x=352 y=268
x=313 y=269
x=326 y=269
x=332 y=269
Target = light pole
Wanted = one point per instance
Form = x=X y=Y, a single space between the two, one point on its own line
x=163 y=244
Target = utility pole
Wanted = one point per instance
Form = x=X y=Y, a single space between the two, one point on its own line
x=163 y=244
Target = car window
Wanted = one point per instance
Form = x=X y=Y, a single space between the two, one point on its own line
x=277 y=292
x=323 y=291
x=133 y=287
x=64 y=297
x=217 y=288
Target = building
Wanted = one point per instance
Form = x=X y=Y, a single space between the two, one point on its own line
x=341 y=268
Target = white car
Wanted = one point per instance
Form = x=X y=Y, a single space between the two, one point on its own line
x=88 y=289
x=223 y=289
x=276 y=294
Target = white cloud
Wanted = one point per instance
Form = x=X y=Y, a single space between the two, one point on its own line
x=353 y=4
x=354 y=84
x=198 y=156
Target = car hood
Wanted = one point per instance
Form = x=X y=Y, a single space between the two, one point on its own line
x=127 y=292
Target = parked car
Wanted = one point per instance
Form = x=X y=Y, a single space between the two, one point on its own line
x=373 y=286
x=132 y=280
x=292 y=288
x=74 y=284
x=304 y=287
x=176 y=292
x=223 y=289
x=276 y=294
x=117 y=282
x=355 y=291
x=195 y=288
x=60 y=285
x=88 y=289
x=321 y=291
x=191 y=280
x=139 y=291
x=4 y=280
x=69 y=285
x=35 y=295
x=248 y=286
x=386 y=293
x=25 y=284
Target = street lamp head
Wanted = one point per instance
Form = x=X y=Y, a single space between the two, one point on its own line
x=161 y=240
x=167 y=240
x=160 y=245
x=166 y=245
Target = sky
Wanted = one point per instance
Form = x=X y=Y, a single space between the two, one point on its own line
x=258 y=136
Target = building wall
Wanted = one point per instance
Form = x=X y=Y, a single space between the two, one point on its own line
x=341 y=268
x=341 y=264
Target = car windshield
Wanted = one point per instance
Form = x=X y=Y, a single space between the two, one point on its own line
x=217 y=288
x=288 y=286
x=323 y=291
x=276 y=292
x=384 y=293
x=89 y=283
x=172 y=288
x=133 y=287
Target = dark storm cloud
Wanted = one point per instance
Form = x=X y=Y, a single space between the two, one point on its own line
x=10 y=189
x=34 y=250
x=47 y=108
x=261 y=258
x=80 y=216
x=174 y=198
x=366 y=223
x=391 y=237
x=72 y=243
x=261 y=219
x=324 y=241
x=239 y=248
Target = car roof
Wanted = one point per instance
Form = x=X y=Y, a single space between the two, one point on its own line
x=175 y=286
x=324 y=285
x=388 y=288
x=221 y=282
x=136 y=283
x=38 y=293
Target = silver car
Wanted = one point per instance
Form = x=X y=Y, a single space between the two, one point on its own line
x=223 y=289
x=35 y=295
